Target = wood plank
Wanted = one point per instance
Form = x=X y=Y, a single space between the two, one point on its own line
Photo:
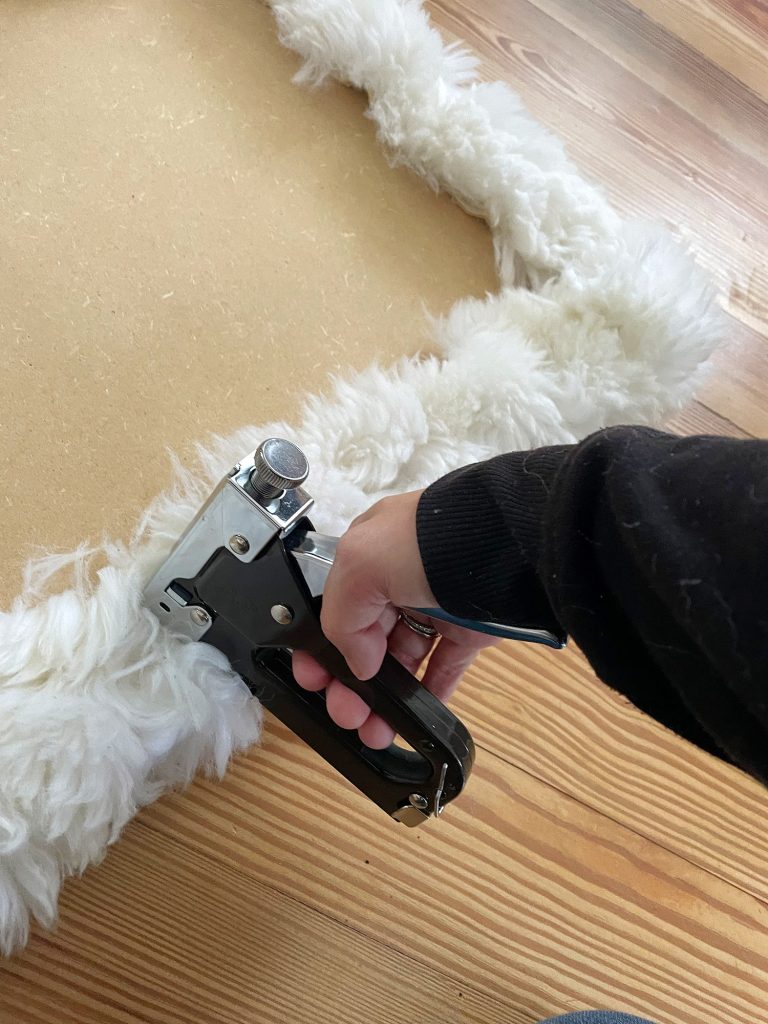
x=657 y=161
x=159 y=934
x=549 y=715
x=731 y=33
x=736 y=385
x=557 y=721
x=520 y=892
x=700 y=86
x=246 y=896
x=697 y=418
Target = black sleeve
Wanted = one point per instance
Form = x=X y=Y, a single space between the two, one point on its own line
x=650 y=550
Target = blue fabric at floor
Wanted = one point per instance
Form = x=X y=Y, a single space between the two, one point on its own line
x=596 y=1017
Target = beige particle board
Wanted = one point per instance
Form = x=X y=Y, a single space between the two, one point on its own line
x=189 y=243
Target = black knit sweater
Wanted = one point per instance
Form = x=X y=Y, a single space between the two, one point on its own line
x=650 y=550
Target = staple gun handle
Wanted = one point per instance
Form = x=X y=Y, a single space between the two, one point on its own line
x=246 y=599
x=442 y=752
x=410 y=785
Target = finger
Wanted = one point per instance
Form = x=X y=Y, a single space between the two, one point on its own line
x=350 y=618
x=308 y=673
x=375 y=733
x=345 y=707
x=408 y=647
x=363 y=651
x=447 y=665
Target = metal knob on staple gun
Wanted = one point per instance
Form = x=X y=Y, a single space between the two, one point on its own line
x=247 y=576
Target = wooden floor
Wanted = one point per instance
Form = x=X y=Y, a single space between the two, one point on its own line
x=596 y=860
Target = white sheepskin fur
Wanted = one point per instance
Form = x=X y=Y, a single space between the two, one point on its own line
x=596 y=322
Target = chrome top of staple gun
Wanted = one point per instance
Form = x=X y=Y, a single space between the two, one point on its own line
x=260 y=498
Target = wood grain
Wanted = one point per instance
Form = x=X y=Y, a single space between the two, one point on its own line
x=657 y=159
x=225 y=947
x=733 y=34
x=697 y=418
x=704 y=88
x=523 y=900
x=549 y=715
x=736 y=388
x=596 y=859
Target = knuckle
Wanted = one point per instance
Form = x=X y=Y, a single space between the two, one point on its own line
x=330 y=621
x=349 y=548
x=445 y=673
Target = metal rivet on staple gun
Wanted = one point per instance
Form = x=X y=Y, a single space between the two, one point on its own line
x=239 y=543
x=200 y=616
x=419 y=801
x=281 y=613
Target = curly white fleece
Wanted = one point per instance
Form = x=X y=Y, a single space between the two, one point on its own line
x=596 y=321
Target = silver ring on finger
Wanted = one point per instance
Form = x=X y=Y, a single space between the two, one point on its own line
x=422 y=628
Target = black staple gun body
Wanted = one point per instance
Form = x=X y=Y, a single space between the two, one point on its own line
x=247 y=576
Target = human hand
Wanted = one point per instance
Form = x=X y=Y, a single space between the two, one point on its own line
x=377 y=571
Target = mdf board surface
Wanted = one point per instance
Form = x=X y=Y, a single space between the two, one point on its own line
x=189 y=243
